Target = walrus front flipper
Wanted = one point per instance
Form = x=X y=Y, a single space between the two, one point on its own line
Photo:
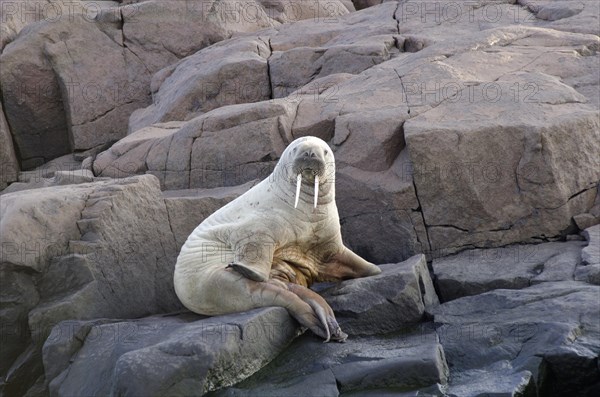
x=346 y=265
x=247 y=272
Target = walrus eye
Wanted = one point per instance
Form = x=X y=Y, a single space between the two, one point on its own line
x=326 y=152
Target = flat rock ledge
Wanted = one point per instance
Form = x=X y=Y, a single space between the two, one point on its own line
x=181 y=354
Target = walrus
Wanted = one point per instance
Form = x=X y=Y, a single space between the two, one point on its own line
x=269 y=245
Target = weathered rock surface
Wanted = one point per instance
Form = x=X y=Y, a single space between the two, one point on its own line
x=226 y=147
x=16 y=15
x=198 y=84
x=71 y=82
x=60 y=178
x=505 y=194
x=545 y=337
x=80 y=252
x=589 y=271
x=456 y=126
x=591 y=253
x=182 y=354
x=384 y=303
x=401 y=362
x=477 y=271
x=509 y=94
x=9 y=165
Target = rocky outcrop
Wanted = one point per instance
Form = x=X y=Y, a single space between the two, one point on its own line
x=465 y=135
x=542 y=339
x=63 y=94
x=365 y=366
x=180 y=354
x=8 y=159
x=530 y=189
x=473 y=272
x=386 y=302
x=79 y=252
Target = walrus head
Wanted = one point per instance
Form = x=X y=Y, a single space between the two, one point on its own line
x=308 y=160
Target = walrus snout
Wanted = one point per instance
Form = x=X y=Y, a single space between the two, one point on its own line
x=309 y=166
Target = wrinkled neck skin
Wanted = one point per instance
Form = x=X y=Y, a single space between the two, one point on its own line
x=307 y=266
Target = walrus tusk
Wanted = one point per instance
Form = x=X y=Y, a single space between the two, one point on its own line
x=316 y=189
x=298 y=184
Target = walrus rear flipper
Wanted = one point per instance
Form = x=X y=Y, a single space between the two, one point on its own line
x=321 y=309
x=306 y=306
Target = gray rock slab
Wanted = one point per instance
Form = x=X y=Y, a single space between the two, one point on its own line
x=550 y=330
x=398 y=296
x=80 y=251
x=591 y=253
x=401 y=361
x=476 y=271
x=9 y=163
x=181 y=354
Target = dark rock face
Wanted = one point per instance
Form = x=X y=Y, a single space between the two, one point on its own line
x=548 y=333
x=80 y=251
x=467 y=145
x=401 y=361
x=386 y=302
x=473 y=272
x=181 y=354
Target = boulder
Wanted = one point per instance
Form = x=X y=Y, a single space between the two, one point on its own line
x=78 y=252
x=8 y=158
x=591 y=253
x=31 y=95
x=473 y=272
x=60 y=93
x=161 y=33
x=177 y=354
x=228 y=146
x=101 y=84
x=384 y=303
x=549 y=330
x=369 y=364
x=502 y=193
x=563 y=15
x=379 y=212
x=199 y=83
